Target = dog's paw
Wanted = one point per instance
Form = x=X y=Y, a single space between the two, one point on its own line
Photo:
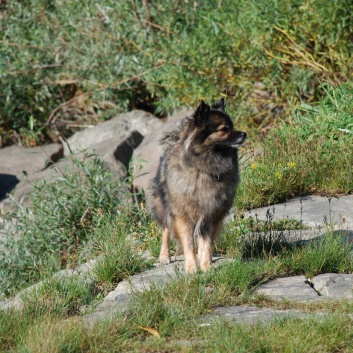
x=164 y=259
x=190 y=267
x=205 y=266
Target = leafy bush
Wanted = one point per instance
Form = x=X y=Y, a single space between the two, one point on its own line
x=50 y=234
x=67 y=62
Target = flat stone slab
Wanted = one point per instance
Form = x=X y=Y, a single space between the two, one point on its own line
x=313 y=211
x=244 y=314
x=328 y=286
x=334 y=285
x=296 y=288
x=158 y=275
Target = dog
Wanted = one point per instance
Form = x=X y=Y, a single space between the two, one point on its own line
x=195 y=183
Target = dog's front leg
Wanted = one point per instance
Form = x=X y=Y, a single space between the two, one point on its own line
x=183 y=231
x=164 y=255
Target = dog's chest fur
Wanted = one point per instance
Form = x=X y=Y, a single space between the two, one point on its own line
x=206 y=182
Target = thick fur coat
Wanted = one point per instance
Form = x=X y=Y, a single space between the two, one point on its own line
x=196 y=183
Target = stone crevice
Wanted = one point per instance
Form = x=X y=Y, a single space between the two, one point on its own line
x=311 y=284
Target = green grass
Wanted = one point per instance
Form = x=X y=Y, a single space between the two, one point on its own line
x=50 y=320
x=309 y=155
x=332 y=334
x=173 y=311
x=119 y=258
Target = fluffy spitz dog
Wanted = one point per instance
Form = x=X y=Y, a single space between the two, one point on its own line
x=196 y=182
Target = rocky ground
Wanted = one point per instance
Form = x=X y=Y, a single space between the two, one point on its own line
x=137 y=133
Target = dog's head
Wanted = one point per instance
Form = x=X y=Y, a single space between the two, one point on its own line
x=211 y=128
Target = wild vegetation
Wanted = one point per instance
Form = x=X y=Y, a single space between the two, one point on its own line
x=69 y=63
x=310 y=154
x=65 y=64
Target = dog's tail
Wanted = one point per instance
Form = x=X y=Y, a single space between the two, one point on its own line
x=171 y=137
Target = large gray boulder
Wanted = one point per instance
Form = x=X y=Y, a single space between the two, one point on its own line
x=115 y=140
x=113 y=131
x=147 y=155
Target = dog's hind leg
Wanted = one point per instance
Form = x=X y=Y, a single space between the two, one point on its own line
x=205 y=246
x=164 y=255
x=184 y=233
x=205 y=252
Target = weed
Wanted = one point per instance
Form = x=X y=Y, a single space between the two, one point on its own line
x=308 y=156
x=119 y=259
x=329 y=254
x=47 y=236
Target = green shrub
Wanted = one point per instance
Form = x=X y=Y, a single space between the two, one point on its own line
x=50 y=234
x=69 y=61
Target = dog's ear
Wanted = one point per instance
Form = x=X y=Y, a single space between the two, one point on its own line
x=201 y=113
x=219 y=105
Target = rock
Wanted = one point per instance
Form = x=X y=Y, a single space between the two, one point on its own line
x=244 y=314
x=313 y=211
x=113 y=131
x=159 y=275
x=21 y=194
x=15 y=160
x=147 y=155
x=115 y=140
x=295 y=288
x=330 y=286
x=117 y=154
x=334 y=285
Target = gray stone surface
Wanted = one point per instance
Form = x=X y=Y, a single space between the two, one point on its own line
x=244 y=314
x=289 y=288
x=14 y=160
x=313 y=211
x=114 y=130
x=159 y=275
x=329 y=286
x=334 y=285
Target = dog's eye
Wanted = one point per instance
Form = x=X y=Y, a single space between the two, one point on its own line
x=225 y=129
